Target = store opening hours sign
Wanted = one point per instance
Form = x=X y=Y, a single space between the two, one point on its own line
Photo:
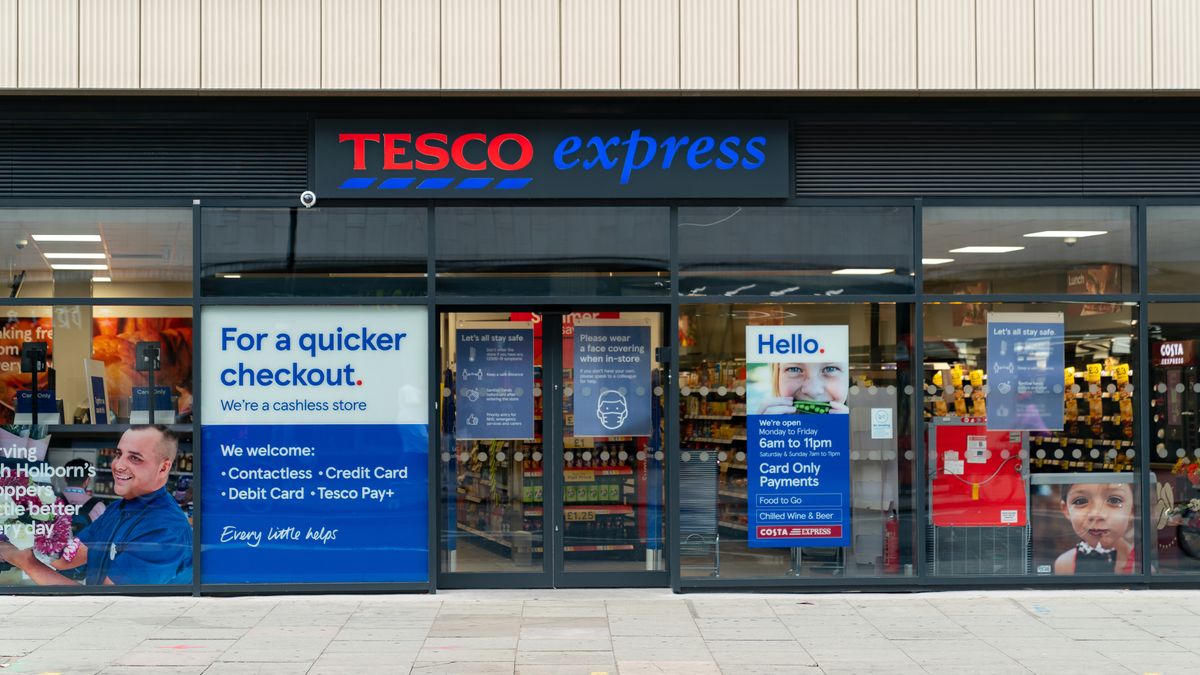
x=315 y=444
x=498 y=159
x=798 y=436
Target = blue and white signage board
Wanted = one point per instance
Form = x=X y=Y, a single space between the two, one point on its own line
x=494 y=380
x=1025 y=371
x=139 y=408
x=315 y=444
x=612 y=379
x=798 y=436
x=47 y=407
x=97 y=391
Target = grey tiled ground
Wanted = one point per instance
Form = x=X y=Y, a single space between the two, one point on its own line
x=631 y=632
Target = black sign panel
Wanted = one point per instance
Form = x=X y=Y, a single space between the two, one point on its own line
x=496 y=159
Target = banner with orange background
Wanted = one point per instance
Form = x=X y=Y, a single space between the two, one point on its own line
x=114 y=340
x=15 y=331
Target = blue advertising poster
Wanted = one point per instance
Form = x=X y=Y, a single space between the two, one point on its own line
x=1025 y=371
x=315 y=445
x=315 y=503
x=99 y=399
x=797 y=436
x=612 y=380
x=494 y=383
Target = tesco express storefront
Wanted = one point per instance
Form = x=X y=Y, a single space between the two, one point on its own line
x=581 y=344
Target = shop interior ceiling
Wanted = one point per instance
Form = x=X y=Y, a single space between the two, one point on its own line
x=136 y=245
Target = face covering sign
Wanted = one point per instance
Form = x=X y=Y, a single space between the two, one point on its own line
x=798 y=436
x=315 y=445
x=612 y=380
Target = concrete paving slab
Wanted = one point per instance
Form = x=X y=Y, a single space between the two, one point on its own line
x=618 y=632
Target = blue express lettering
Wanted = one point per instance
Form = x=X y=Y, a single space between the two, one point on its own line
x=639 y=152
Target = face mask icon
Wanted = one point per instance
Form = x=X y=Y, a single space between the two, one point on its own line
x=612 y=409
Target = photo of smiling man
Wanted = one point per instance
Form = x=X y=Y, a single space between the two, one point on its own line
x=143 y=538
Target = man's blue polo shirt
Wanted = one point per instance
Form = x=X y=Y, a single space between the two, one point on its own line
x=144 y=540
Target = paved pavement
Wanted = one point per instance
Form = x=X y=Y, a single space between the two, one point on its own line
x=612 y=631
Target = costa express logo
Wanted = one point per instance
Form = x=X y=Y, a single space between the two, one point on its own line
x=507 y=157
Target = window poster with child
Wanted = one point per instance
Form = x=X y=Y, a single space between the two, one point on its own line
x=798 y=436
x=1085 y=524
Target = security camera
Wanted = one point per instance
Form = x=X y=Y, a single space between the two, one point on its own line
x=308 y=199
x=1070 y=241
x=22 y=243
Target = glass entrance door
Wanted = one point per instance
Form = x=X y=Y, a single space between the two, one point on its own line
x=552 y=467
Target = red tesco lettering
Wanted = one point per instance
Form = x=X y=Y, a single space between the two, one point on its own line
x=436 y=151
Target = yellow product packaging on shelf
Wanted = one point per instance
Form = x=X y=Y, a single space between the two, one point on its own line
x=1094 y=370
x=976 y=378
x=956 y=376
x=1069 y=376
x=978 y=404
x=937 y=379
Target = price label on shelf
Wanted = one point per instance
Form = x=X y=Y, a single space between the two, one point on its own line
x=1121 y=373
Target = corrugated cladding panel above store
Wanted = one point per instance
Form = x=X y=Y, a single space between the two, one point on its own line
x=978 y=160
x=152 y=158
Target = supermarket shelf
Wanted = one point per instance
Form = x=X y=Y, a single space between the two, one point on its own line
x=719 y=441
x=484 y=535
x=601 y=509
x=733 y=526
x=91 y=430
x=586 y=549
x=715 y=418
x=610 y=471
x=732 y=493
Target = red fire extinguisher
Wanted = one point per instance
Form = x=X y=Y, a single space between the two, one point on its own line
x=891 y=541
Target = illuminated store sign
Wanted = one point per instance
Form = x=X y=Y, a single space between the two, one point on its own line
x=388 y=159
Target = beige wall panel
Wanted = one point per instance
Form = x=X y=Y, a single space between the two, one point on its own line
x=828 y=44
x=768 y=56
x=109 y=44
x=170 y=44
x=1176 y=47
x=649 y=44
x=1122 y=44
x=291 y=39
x=470 y=44
x=48 y=44
x=946 y=40
x=231 y=47
x=8 y=43
x=708 y=47
x=1004 y=42
x=887 y=44
x=591 y=44
x=1063 y=44
x=411 y=49
x=529 y=35
x=350 y=44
